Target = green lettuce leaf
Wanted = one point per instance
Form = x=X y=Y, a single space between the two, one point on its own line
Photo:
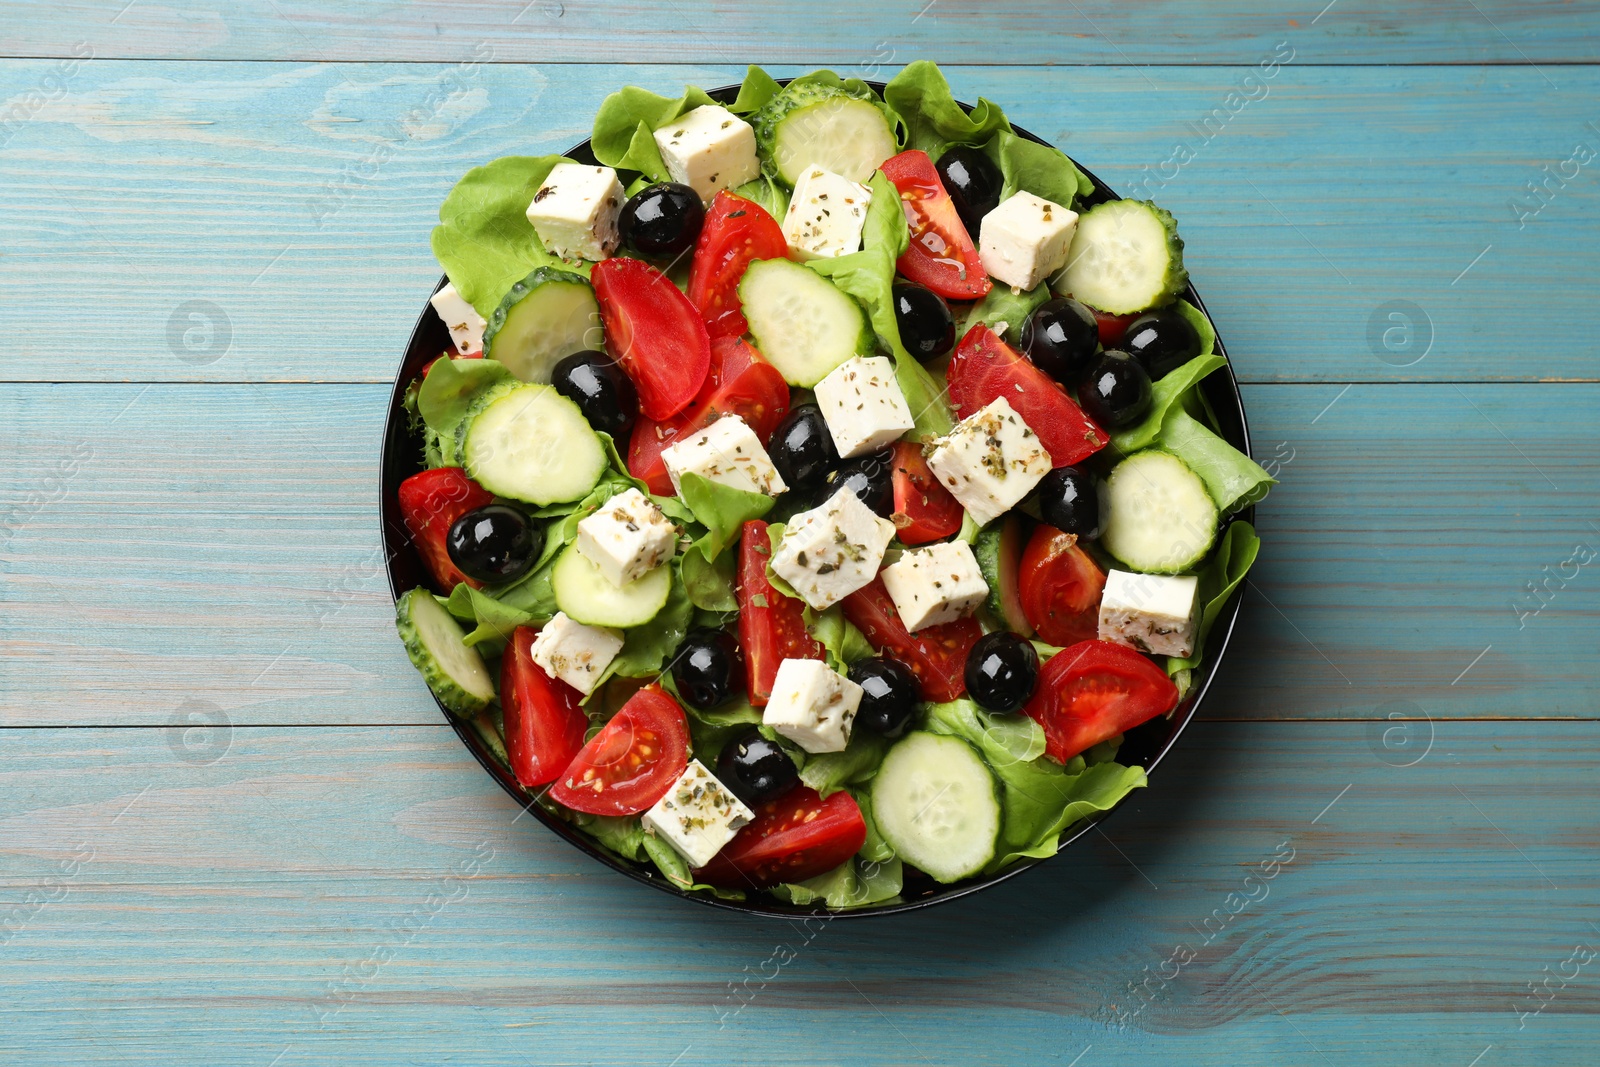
x=1003 y=310
x=494 y=619
x=722 y=510
x=449 y=390
x=676 y=868
x=839 y=637
x=710 y=585
x=771 y=194
x=830 y=772
x=868 y=275
x=622 y=834
x=484 y=239
x=1165 y=396
x=849 y=885
x=758 y=87
x=1218 y=579
x=625 y=125
x=874 y=849
x=1232 y=478
x=1039 y=798
x=933 y=119
x=1040 y=169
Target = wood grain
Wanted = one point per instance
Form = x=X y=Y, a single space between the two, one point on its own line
x=294 y=202
x=1409 y=911
x=830 y=31
x=222 y=543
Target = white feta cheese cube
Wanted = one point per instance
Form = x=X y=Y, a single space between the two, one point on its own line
x=709 y=149
x=574 y=653
x=832 y=550
x=1025 y=240
x=990 y=461
x=863 y=406
x=727 y=452
x=465 y=324
x=812 y=705
x=826 y=215
x=698 y=816
x=937 y=584
x=1154 y=613
x=575 y=211
x=627 y=537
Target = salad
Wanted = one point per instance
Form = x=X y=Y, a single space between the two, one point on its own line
x=818 y=486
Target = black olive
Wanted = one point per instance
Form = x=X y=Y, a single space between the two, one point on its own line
x=494 y=543
x=927 y=328
x=802 y=448
x=1070 y=501
x=889 y=696
x=756 y=769
x=1002 y=669
x=1116 y=391
x=601 y=389
x=1060 y=337
x=1162 y=341
x=707 y=669
x=973 y=182
x=661 y=220
x=870 y=477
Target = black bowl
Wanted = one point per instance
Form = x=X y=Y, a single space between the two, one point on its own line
x=1144 y=746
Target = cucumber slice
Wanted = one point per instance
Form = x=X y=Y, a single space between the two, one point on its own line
x=1162 y=520
x=937 y=805
x=438 y=648
x=528 y=442
x=814 y=123
x=999 y=550
x=801 y=322
x=1126 y=256
x=588 y=596
x=545 y=317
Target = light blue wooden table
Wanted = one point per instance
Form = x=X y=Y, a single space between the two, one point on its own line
x=234 y=830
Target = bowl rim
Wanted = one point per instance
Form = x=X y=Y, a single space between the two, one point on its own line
x=399 y=452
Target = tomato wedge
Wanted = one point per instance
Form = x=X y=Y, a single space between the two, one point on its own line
x=924 y=510
x=736 y=233
x=941 y=255
x=937 y=655
x=1093 y=691
x=545 y=722
x=739 y=382
x=1060 y=586
x=797 y=836
x=985 y=367
x=654 y=332
x=632 y=762
x=1113 y=327
x=430 y=503
x=772 y=627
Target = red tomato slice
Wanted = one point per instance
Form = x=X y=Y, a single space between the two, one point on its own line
x=654 y=332
x=924 y=510
x=739 y=382
x=632 y=762
x=937 y=655
x=1060 y=587
x=1112 y=327
x=1093 y=691
x=736 y=233
x=772 y=627
x=431 y=502
x=941 y=255
x=985 y=367
x=797 y=836
x=545 y=722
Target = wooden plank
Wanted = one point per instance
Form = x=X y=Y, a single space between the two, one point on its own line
x=170 y=542
x=308 y=897
x=294 y=203
x=832 y=31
